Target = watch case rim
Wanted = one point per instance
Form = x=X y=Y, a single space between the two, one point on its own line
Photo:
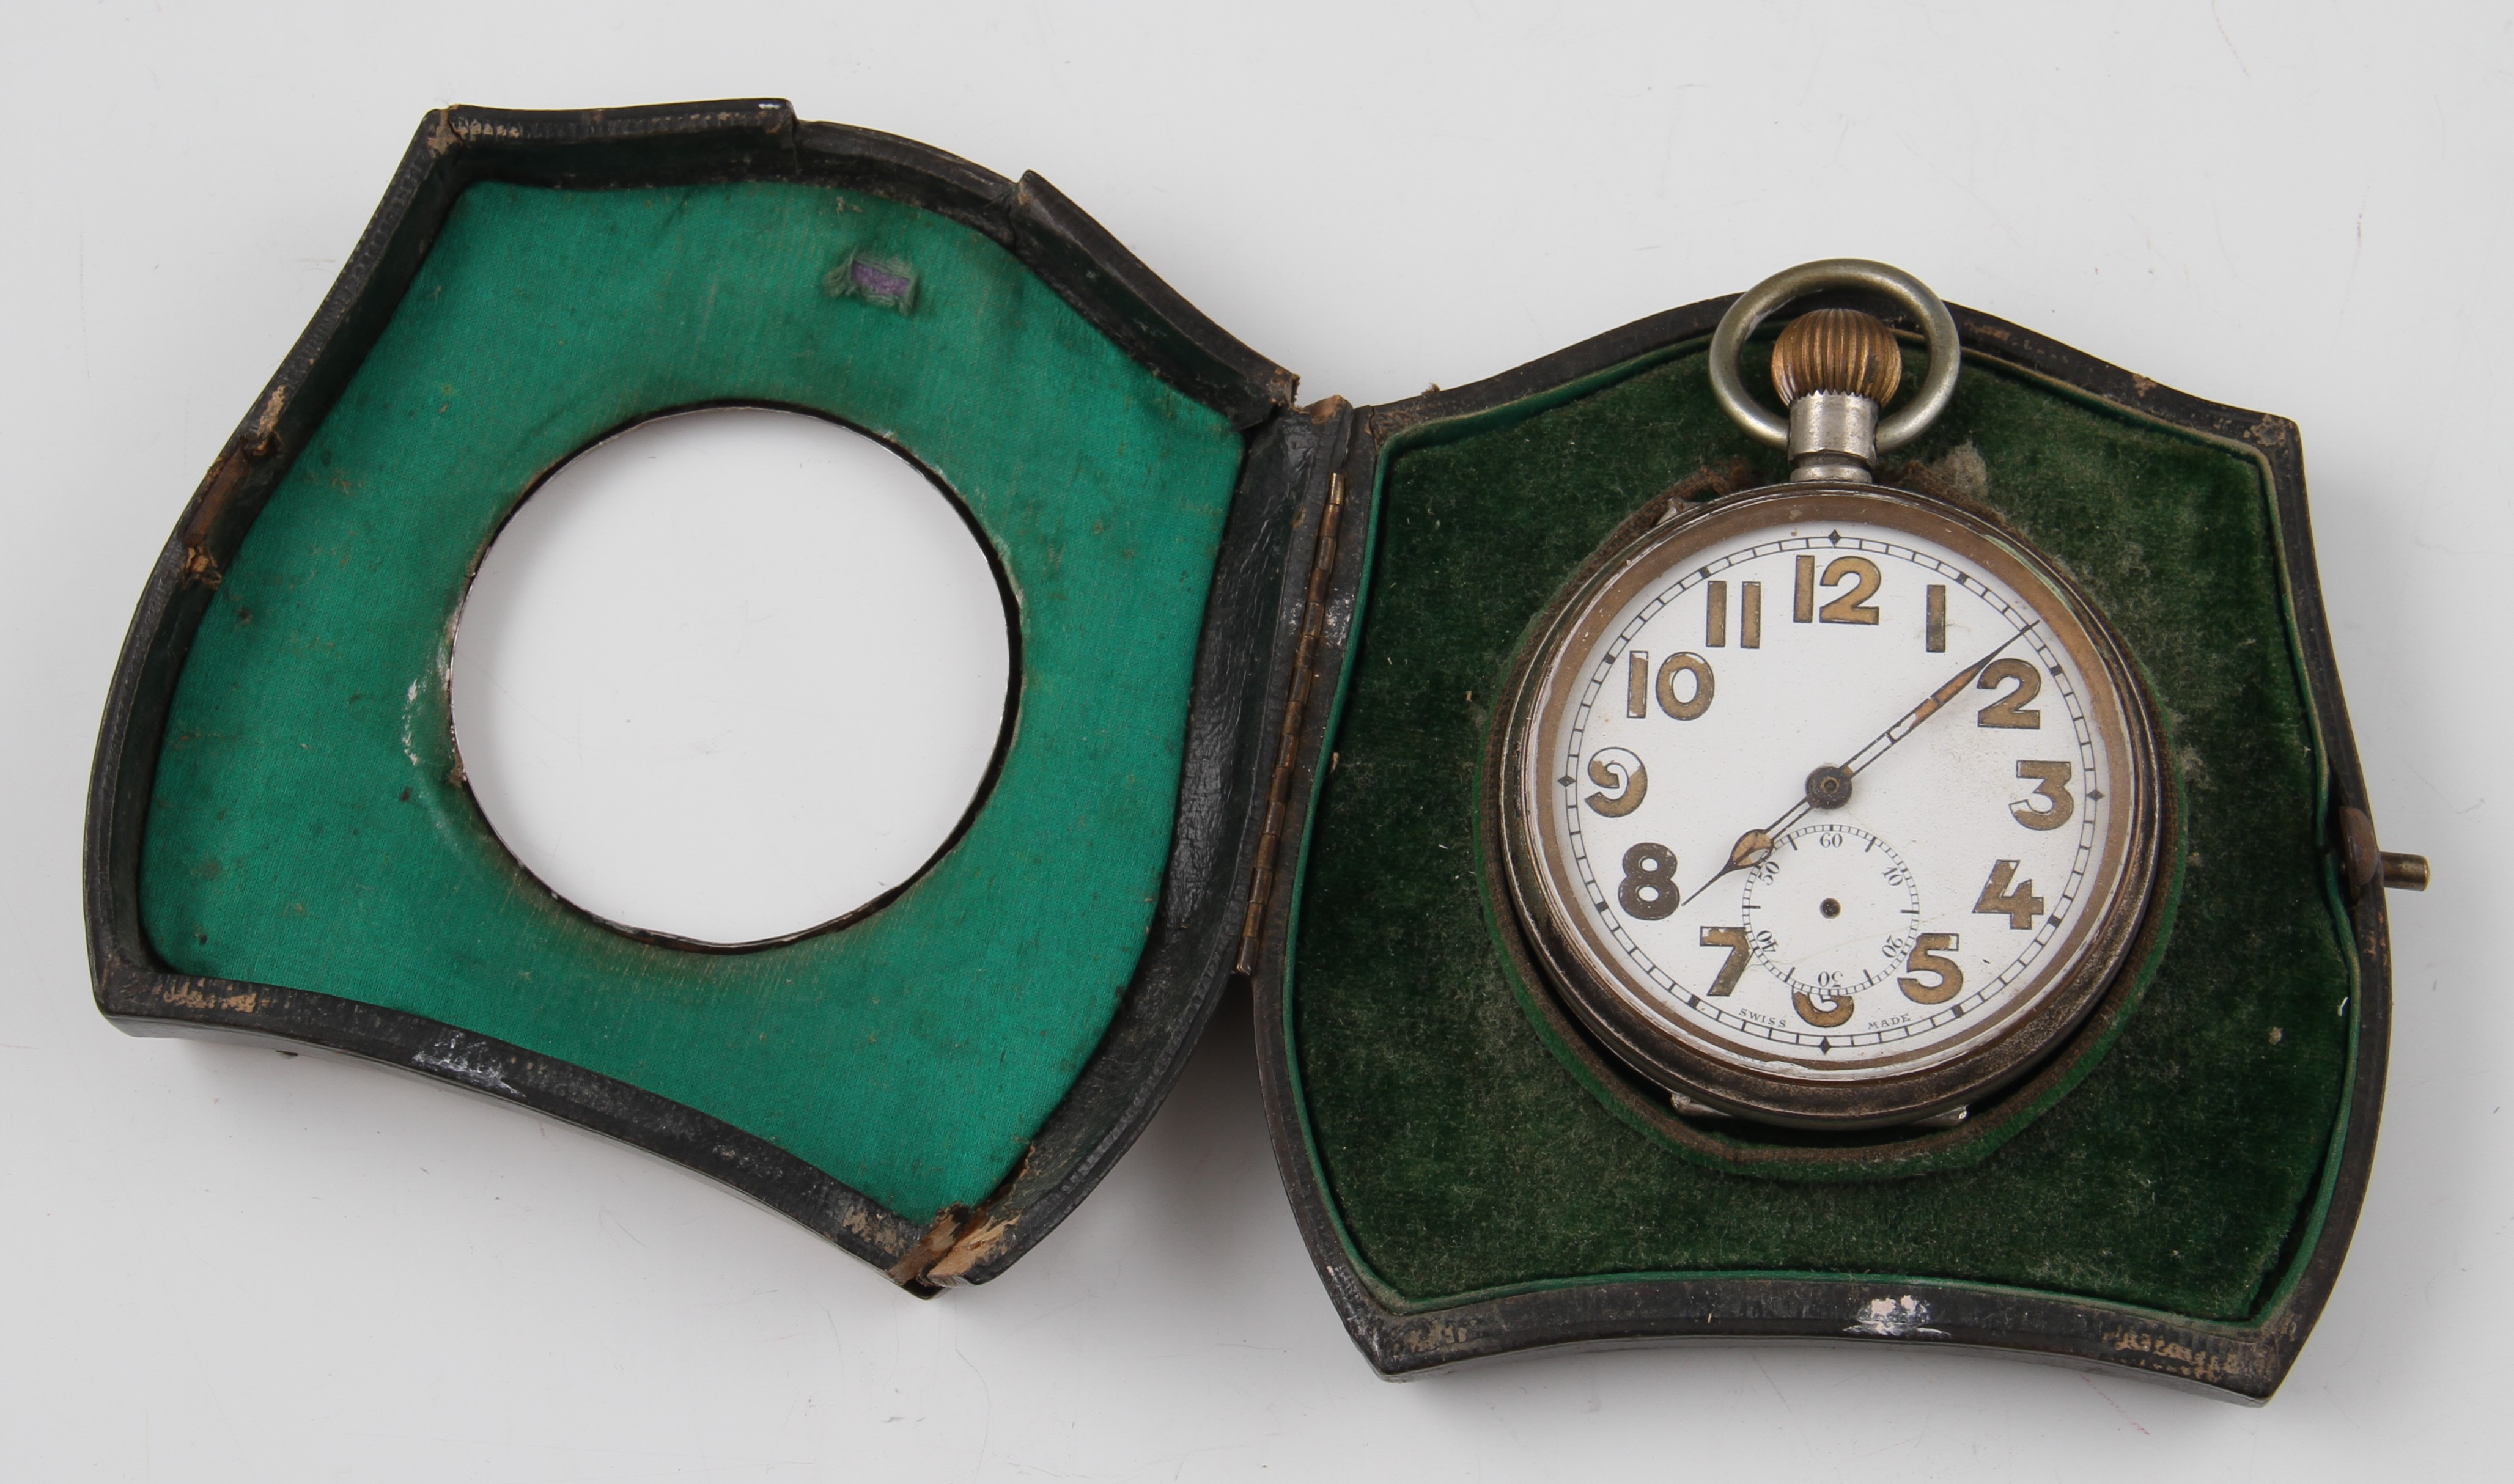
x=2030 y=1032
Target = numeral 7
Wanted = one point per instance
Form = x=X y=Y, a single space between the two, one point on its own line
x=1734 y=969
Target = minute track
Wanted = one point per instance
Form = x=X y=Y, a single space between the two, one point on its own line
x=1949 y=780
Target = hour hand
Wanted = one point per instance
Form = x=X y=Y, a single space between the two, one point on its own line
x=1752 y=848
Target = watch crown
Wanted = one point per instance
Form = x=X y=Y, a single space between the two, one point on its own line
x=1841 y=350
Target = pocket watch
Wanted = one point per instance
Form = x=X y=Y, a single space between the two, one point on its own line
x=1829 y=804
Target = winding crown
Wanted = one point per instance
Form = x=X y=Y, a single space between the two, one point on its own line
x=1837 y=351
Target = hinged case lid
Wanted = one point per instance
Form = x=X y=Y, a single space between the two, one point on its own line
x=1260 y=647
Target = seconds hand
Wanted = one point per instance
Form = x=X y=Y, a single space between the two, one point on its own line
x=1755 y=846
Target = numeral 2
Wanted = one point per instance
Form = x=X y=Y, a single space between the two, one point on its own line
x=1851 y=607
x=2008 y=710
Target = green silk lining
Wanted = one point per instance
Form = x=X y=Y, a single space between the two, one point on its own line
x=309 y=827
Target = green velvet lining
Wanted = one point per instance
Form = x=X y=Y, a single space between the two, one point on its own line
x=1462 y=1158
x=308 y=829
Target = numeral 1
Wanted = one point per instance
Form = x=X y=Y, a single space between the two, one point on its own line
x=1750 y=616
x=1715 y=617
x=1937 y=618
x=1637 y=685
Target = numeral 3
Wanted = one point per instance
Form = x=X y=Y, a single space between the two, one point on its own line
x=2050 y=785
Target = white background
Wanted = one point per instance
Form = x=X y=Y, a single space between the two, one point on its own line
x=221 y=1263
x=667 y=664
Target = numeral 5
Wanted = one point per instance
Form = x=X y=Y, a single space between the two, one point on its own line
x=1927 y=959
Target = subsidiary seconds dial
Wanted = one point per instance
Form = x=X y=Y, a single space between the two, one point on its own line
x=1829 y=805
x=1831 y=913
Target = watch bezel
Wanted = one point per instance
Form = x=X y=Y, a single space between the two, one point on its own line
x=2028 y=1028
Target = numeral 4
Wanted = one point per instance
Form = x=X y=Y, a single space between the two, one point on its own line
x=2015 y=902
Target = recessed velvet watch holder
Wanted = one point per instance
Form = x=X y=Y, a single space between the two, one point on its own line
x=1278 y=773
x=1476 y=1177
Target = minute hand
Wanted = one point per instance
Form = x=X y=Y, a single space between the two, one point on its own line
x=1755 y=845
x=1936 y=701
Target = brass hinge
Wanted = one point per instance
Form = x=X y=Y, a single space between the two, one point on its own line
x=1295 y=711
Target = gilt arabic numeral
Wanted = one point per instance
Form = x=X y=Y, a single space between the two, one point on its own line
x=1734 y=967
x=1836 y=1007
x=1694 y=704
x=2050 y=784
x=1927 y=958
x=1649 y=891
x=1714 y=617
x=2008 y=710
x=1618 y=770
x=1637 y=684
x=2014 y=902
x=1937 y=637
x=1851 y=607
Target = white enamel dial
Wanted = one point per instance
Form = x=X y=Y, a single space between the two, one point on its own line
x=1830 y=788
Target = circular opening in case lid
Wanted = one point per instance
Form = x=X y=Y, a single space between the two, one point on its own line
x=732 y=675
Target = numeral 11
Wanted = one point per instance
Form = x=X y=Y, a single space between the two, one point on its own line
x=1750 y=616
